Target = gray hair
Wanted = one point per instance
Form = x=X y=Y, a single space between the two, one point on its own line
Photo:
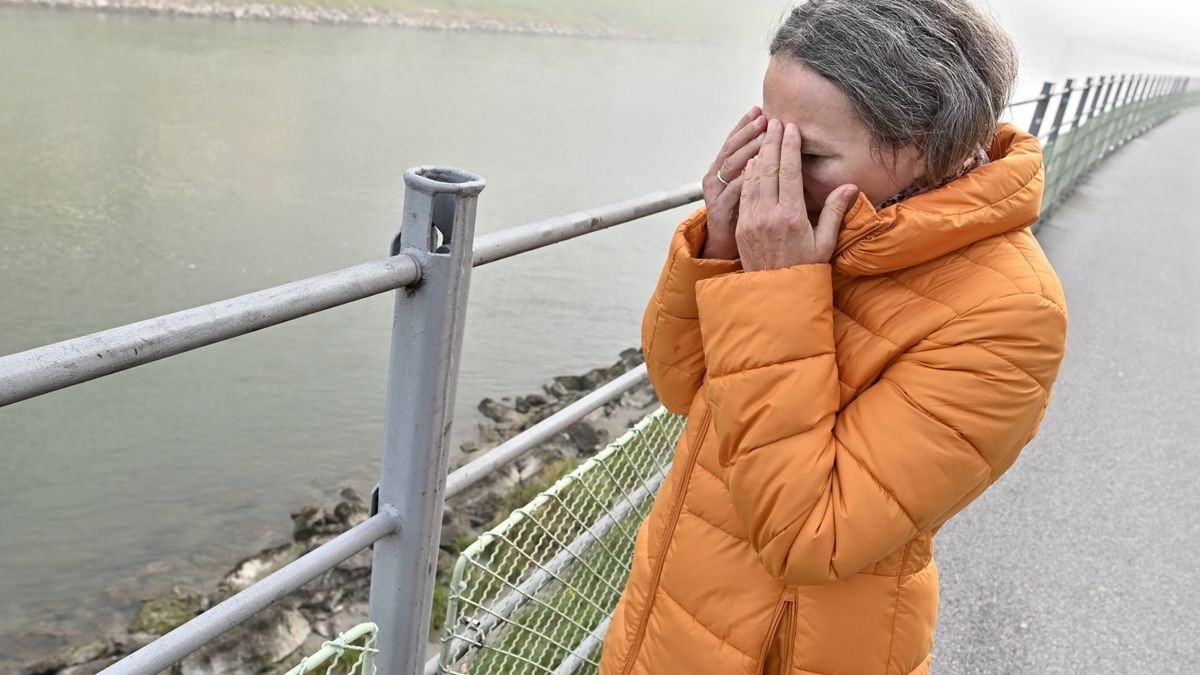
x=933 y=73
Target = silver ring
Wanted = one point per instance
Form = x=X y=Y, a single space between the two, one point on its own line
x=721 y=178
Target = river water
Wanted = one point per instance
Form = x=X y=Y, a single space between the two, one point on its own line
x=153 y=164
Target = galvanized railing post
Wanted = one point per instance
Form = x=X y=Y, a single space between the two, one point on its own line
x=1039 y=111
x=1111 y=119
x=1143 y=98
x=1152 y=105
x=1106 y=116
x=1147 y=114
x=1073 y=167
x=1051 y=152
x=1092 y=128
x=1160 y=106
x=438 y=230
x=1063 y=179
x=1129 y=106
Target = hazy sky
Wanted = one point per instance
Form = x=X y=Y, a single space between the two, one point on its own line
x=1088 y=36
x=1163 y=28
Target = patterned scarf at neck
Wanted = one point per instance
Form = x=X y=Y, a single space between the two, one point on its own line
x=976 y=160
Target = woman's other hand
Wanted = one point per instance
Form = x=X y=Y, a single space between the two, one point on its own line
x=723 y=185
x=773 y=228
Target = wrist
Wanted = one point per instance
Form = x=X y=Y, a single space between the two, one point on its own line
x=715 y=249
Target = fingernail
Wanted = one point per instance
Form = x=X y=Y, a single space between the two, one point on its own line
x=790 y=128
x=773 y=124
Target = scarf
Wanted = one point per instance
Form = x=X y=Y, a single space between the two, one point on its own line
x=976 y=160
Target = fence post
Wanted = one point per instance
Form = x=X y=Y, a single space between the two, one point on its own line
x=1039 y=111
x=1151 y=100
x=1110 y=115
x=1115 y=114
x=1131 y=100
x=1143 y=105
x=1164 y=92
x=1064 y=181
x=1050 y=153
x=437 y=231
x=1131 y=97
x=1091 y=129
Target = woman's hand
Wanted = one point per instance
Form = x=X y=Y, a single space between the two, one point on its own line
x=773 y=228
x=721 y=200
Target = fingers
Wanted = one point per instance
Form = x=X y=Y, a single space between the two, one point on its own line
x=766 y=165
x=751 y=187
x=726 y=207
x=725 y=211
x=791 y=175
x=837 y=204
x=737 y=140
x=736 y=163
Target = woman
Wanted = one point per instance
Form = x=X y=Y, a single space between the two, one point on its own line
x=863 y=333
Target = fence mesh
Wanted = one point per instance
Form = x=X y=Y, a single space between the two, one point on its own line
x=534 y=594
x=350 y=653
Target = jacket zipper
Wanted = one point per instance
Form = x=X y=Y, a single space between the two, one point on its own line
x=784 y=621
x=677 y=507
x=790 y=636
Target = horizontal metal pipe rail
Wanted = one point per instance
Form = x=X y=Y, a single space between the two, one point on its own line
x=170 y=648
x=446 y=204
x=521 y=239
x=63 y=364
x=480 y=468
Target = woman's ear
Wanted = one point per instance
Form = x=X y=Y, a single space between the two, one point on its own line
x=906 y=165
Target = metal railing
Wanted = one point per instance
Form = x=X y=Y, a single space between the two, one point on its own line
x=429 y=266
x=1109 y=111
x=535 y=593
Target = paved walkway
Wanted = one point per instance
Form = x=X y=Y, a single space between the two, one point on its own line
x=1085 y=557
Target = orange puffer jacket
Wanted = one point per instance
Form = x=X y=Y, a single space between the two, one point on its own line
x=838 y=415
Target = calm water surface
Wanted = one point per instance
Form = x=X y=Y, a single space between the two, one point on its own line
x=154 y=164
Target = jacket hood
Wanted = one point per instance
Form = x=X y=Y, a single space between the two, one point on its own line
x=998 y=197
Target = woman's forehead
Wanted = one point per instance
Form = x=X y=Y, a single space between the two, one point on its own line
x=793 y=92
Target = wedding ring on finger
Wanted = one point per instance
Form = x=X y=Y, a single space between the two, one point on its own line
x=722 y=178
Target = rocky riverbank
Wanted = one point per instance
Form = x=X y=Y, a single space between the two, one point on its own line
x=277 y=638
x=353 y=16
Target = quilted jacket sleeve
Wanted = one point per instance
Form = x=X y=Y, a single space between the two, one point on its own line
x=825 y=493
x=670 y=328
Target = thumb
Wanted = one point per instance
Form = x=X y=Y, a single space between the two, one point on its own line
x=837 y=205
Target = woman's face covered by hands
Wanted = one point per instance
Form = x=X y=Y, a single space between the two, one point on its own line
x=837 y=147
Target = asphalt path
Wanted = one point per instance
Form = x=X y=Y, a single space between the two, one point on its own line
x=1084 y=557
